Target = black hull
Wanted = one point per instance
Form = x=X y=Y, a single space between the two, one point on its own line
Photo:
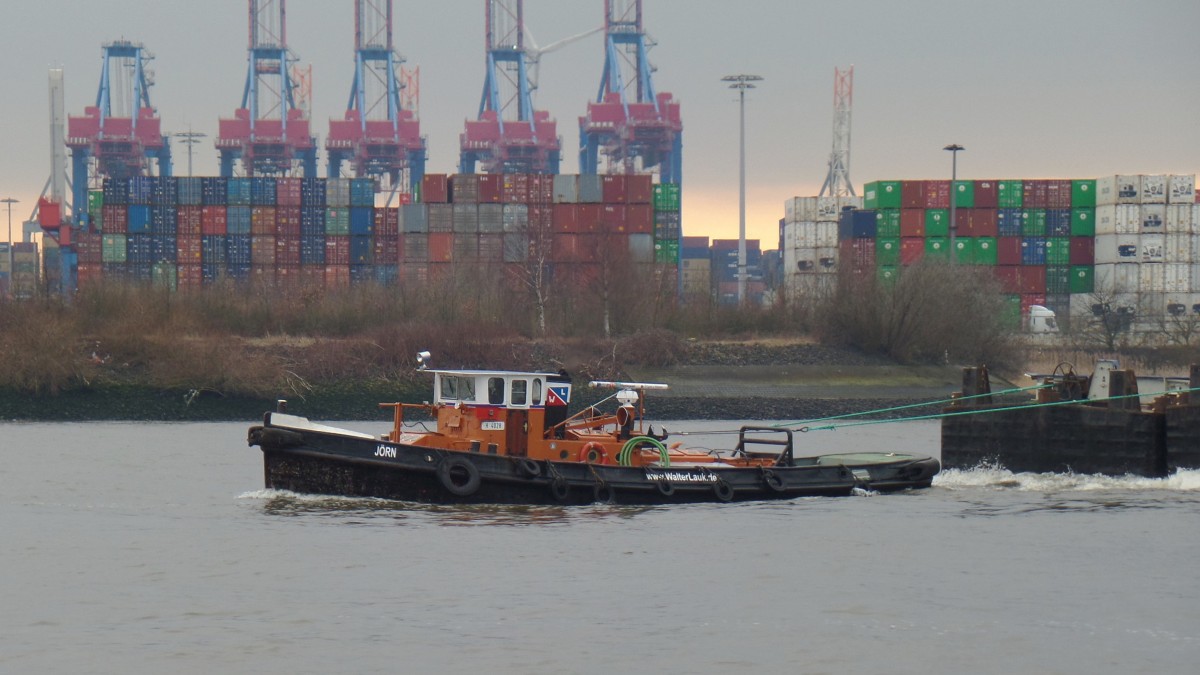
x=1060 y=439
x=318 y=462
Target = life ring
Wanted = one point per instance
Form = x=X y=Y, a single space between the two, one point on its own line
x=593 y=452
x=529 y=468
x=459 y=476
x=773 y=481
x=723 y=490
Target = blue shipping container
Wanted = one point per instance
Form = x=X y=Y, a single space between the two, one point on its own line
x=312 y=192
x=362 y=250
x=141 y=189
x=238 y=250
x=1008 y=222
x=386 y=275
x=312 y=220
x=138 y=249
x=238 y=271
x=1033 y=251
x=214 y=191
x=163 y=248
x=237 y=192
x=163 y=219
x=362 y=192
x=262 y=191
x=139 y=219
x=1058 y=222
x=214 y=249
x=312 y=249
x=237 y=219
x=362 y=274
x=362 y=221
x=190 y=191
x=166 y=191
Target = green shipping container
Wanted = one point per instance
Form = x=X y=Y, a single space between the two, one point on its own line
x=666 y=252
x=882 y=194
x=95 y=203
x=985 y=251
x=888 y=274
x=1012 y=311
x=1058 y=252
x=887 y=251
x=1083 y=193
x=1033 y=223
x=1083 y=279
x=1083 y=222
x=1058 y=279
x=964 y=250
x=164 y=274
x=887 y=223
x=337 y=221
x=666 y=197
x=113 y=248
x=937 y=222
x=937 y=247
x=1010 y=194
x=964 y=194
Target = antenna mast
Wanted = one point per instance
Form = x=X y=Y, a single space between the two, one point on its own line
x=837 y=181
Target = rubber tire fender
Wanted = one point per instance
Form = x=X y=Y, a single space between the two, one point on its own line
x=451 y=468
x=723 y=490
x=773 y=481
x=529 y=468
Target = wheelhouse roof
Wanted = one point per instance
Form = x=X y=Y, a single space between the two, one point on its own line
x=492 y=373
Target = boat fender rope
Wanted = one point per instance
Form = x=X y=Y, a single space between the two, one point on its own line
x=723 y=490
x=773 y=481
x=593 y=452
x=459 y=476
x=529 y=468
x=558 y=484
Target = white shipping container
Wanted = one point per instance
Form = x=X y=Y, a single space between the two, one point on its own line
x=1181 y=189
x=1118 y=190
x=1152 y=278
x=1152 y=218
x=1117 y=248
x=806 y=235
x=1196 y=219
x=1153 y=248
x=1154 y=189
x=827 y=258
x=1179 y=248
x=1179 y=218
x=1117 y=278
x=1106 y=219
x=827 y=233
x=800 y=209
x=828 y=208
x=1129 y=218
x=1178 y=277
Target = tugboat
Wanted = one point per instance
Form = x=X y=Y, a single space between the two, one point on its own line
x=504 y=437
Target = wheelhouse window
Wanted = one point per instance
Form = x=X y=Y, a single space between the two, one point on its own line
x=520 y=390
x=496 y=390
x=537 y=391
x=456 y=388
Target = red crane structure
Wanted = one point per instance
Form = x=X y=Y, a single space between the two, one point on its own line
x=378 y=136
x=629 y=126
x=508 y=136
x=269 y=133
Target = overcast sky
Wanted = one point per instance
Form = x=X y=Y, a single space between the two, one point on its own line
x=1031 y=88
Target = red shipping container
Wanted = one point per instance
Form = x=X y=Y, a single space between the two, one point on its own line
x=1030 y=299
x=1033 y=279
x=1035 y=194
x=912 y=194
x=89 y=247
x=1058 y=194
x=986 y=196
x=937 y=194
x=614 y=190
x=912 y=222
x=89 y=274
x=213 y=220
x=639 y=189
x=912 y=250
x=435 y=188
x=387 y=222
x=441 y=247
x=188 y=221
x=289 y=277
x=262 y=220
x=588 y=217
x=490 y=187
x=857 y=254
x=566 y=218
x=189 y=277
x=337 y=250
x=287 y=191
x=541 y=189
x=514 y=188
x=1008 y=251
x=287 y=251
x=387 y=250
x=1083 y=251
x=1009 y=277
x=262 y=275
x=612 y=218
x=189 y=249
x=639 y=219
x=338 y=276
x=564 y=248
x=981 y=222
x=312 y=275
x=116 y=218
x=287 y=221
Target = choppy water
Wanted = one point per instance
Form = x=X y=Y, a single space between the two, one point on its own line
x=147 y=548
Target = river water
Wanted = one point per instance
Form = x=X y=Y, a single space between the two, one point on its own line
x=150 y=548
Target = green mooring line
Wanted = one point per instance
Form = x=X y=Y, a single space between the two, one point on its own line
x=834 y=427
x=914 y=405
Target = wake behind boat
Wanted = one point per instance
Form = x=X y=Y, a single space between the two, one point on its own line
x=504 y=437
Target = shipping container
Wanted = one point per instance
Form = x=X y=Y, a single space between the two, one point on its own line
x=1058 y=194
x=937 y=248
x=1058 y=279
x=1008 y=251
x=1058 y=222
x=312 y=250
x=1033 y=222
x=963 y=194
x=337 y=250
x=1118 y=190
x=1181 y=189
x=113 y=248
x=986 y=194
x=362 y=222
x=937 y=223
x=1083 y=193
x=115 y=218
x=1035 y=196
x=985 y=251
x=337 y=222
x=262 y=220
x=1033 y=251
x=289 y=192
x=1009 y=222
x=237 y=192
x=912 y=250
x=887 y=251
x=937 y=194
x=1010 y=194
x=189 y=250
x=1083 y=251
x=887 y=223
x=440 y=218
x=912 y=194
x=213 y=250
x=238 y=219
x=337 y=193
x=1153 y=189
x=362 y=193
x=1082 y=279
x=362 y=250
x=883 y=195
x=1083 y=222
x=416 y=248
x=1152 y=218
x=414 y=219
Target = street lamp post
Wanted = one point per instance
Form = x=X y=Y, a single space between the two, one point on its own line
x=9 y=201
x=742 y=83
x=953 y=149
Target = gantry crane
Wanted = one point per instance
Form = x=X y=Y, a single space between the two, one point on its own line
x=837 y=181
x=378 y=136
x=122 y=131
x=629 y=127
x=508 y=136
x=269 y=133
